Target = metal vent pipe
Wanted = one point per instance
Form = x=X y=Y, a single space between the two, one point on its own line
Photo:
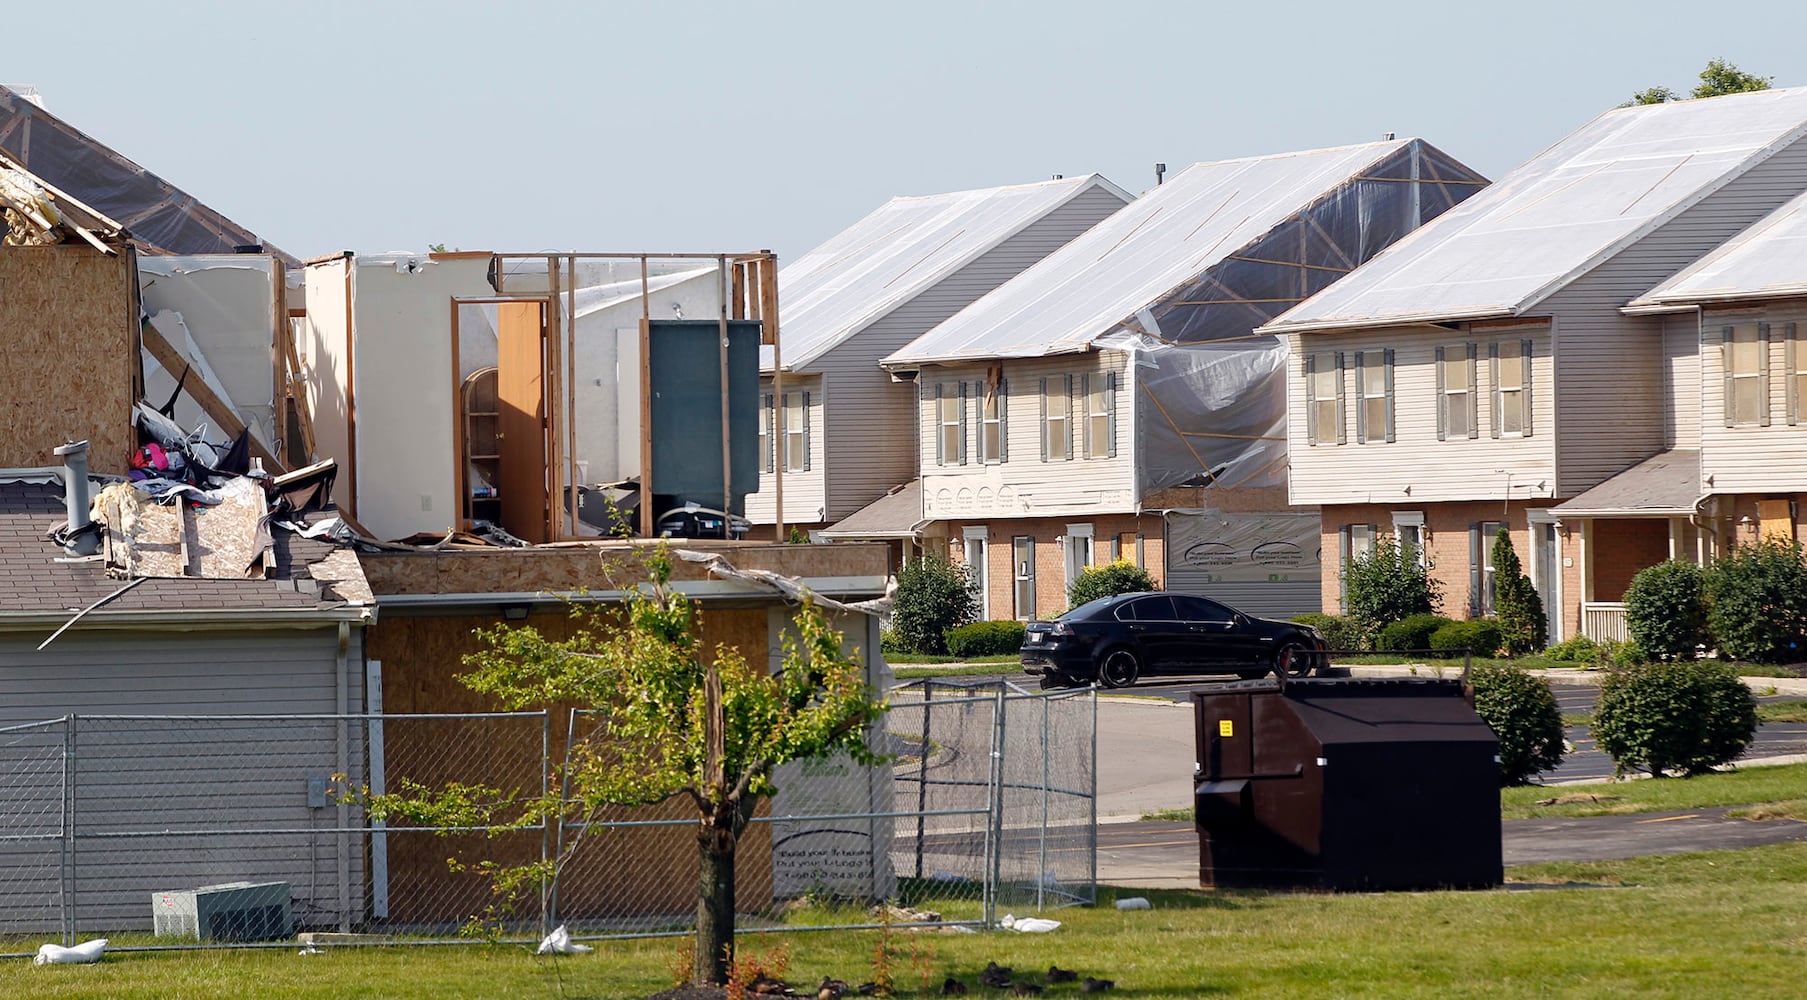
x=79 y=539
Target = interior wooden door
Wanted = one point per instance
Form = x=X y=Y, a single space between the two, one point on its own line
x=521 y=422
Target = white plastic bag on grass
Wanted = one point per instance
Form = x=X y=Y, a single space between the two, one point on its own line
x=1028 y=925
x=56 y=954
x=559 y=942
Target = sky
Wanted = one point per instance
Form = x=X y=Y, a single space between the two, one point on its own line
x=694 y=126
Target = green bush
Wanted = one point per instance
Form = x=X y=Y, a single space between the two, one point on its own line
x=1386 y=585
x=1579 y=649
x=932 y=597
x=1757 y=602
x=1666 y=610
x=1479 y=635
x=1522 y=711
x=1339 y=632
x=1120 y=577
x=1685 y=716
x=1523 y=624
x=985 y=639
x=1410 y=632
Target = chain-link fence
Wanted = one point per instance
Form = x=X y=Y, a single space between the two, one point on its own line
x=167 y=831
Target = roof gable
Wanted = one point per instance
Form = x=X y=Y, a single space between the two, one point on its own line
x=1767 y=260
x=1600 y=189
x=897 y=252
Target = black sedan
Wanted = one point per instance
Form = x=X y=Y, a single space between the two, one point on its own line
x=1115 y=640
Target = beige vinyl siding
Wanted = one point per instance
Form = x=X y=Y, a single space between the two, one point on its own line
x=1459 y=468
x=135 y=776
x=1681 y=374
x=1610 y=393
x=1752 y=459
x=803 y=491
x=867 y=434
x=1026 y=486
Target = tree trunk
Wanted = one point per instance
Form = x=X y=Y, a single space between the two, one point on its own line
x=716 y=838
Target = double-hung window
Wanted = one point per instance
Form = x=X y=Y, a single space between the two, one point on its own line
x=1746 y=354
x=1456 y=392
x=1374 y=418
x=1511 y=364
x=768 y=441
x=992 y=431
x=1100 y=414
x=1057 y=418
x=1324 y=397
x=796 y=431
x=950 y=423
x=1797 y=372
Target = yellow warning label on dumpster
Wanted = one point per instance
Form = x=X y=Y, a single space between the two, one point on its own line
x=1224 y=728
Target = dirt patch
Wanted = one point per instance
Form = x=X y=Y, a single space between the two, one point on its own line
x=1579 y=799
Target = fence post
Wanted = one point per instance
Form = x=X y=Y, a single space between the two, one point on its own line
x=922 y=772
x=1092 y=829
x=994 y=820
x=67 y=880
x=545 y=831
x=1041 y=860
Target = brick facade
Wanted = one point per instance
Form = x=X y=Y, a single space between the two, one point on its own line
x=1050 y=554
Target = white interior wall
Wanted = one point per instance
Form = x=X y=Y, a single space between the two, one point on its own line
x=322 y=349
x=228 y=305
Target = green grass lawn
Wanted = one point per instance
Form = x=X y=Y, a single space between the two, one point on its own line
x=1723 y=924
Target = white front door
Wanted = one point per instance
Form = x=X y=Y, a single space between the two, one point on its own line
x=978 y=554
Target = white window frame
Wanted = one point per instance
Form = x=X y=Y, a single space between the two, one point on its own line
x=1457 y=398
x=977 y=541
x=768 y=441
x=1022 y=591
x=1057 y=420
x=1755 y=382
x=1099 y=390
x=1367 y=362
x=1510 y=360
x=796 y=430
x=950 y=434
x=1484 y=595
x=1323 y=367
x=1409 y=524
x=1076 y=546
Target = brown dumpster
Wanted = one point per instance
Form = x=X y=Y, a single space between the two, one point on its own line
x=1345 y=783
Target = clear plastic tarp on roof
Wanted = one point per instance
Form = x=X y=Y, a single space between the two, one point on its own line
x=1181 y=278
x=163 y=217
x=1596 y=190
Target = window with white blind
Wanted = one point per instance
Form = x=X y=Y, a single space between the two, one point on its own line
x=950 y=423
x=1324 y=397
x=768 y=442
x=1057 y=418
x=1510 y=361
x=1797 y=377
x=1100 y=414
x=1745 y=351
x=1456 y=392
x=993 y=440
x=796 y=432
x=1374 y=375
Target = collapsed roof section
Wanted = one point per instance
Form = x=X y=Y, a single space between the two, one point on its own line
x=900 y=250
x=1768 y=260
x=37 y=214
x=1181 y=278
x=160 y=216
x=1592 y=194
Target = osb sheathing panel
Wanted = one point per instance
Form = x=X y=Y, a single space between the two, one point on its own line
x=67 y=316
x=1230 y=500
x=617 y=872
x=600 y=566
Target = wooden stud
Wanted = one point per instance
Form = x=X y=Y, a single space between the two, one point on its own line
x=768 y=332
x=724 y=289
x=351 y=397
x=460 y=464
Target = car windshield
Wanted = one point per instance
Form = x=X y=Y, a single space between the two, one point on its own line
x=1087 y=610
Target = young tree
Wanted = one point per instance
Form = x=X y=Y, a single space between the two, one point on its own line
x=1386 y=585
x=1523 y=624
x=677 y=722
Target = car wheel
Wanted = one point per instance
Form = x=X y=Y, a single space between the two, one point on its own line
x=1292 y=659
x=1119 y=669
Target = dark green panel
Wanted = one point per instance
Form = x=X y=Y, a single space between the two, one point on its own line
x=685 y=369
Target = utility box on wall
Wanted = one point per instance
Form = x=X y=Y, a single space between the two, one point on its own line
x=1346 y=783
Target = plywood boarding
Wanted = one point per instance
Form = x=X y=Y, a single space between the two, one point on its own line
x=67 y=359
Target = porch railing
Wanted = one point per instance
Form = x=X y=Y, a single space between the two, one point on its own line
x=1604 y=620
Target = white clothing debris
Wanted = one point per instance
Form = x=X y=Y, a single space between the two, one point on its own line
x=1028 y=925
x=81 y=954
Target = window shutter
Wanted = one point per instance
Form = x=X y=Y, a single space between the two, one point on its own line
x=1043 y=395
x=1524 y=392
x=1110 y=413
x=1072 y=452
x=1725 y=360
x=1474 y=426
x=1085 y=416
x=770 y=412
x=940 y=437
x=1763 y=374
x=1387 y=360
x=1311 y=399
x=806 y=431
x=961 y=424
x=1474 y=569
x=1793 y=365
x=1362 y=430
x=1342 y=424
x=1003 y=420
x=1442 y=400
x=1342 y=567
x=1498 y=404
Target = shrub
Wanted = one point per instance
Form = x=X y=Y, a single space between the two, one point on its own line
x=985 y=639
x=1339 y=632
x=1387 y=584
x=1479 y=635
x=1120 y=577
x=1757 y=602
x=1579 y=649
x=932 y=597
x=1523 y=623
x=1522 y=711
x=1686 y=716
x=1666 y=610
x=1411 y=632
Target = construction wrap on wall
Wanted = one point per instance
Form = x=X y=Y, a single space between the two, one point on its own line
x=1268 y=564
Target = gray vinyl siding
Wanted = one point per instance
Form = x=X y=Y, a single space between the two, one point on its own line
x=1682 y=372
x=870 y=429
x=134 y=776
x=1610 y=379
